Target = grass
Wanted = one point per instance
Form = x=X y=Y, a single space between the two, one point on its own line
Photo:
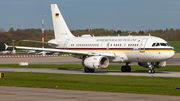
x=175 y=44
x=78 y=66
x=126 y=84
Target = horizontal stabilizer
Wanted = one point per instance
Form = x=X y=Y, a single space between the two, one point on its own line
x=41 y=42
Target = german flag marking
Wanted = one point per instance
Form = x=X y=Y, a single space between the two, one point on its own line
x=57 y=14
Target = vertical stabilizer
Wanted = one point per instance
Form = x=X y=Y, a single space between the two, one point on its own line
x=60 y=28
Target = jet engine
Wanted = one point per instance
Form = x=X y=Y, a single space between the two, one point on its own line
x=95 y=62
x=155 y=64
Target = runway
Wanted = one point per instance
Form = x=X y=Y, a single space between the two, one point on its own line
x=70 y=60
x=97 y=72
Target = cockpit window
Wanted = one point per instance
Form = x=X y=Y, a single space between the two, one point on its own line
x=153 y=44
x=163 y=44
x=157 y=44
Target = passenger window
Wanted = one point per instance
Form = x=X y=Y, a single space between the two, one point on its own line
x=157 y=44
x=153 y=44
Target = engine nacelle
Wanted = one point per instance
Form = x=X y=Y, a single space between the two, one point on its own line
x=95 y=62
x=155 y=64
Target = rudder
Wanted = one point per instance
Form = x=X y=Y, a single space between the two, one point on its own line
x=60 y=27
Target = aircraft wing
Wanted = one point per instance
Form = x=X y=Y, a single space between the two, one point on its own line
x=67 y=51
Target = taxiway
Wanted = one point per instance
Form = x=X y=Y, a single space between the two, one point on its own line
x=44 y=94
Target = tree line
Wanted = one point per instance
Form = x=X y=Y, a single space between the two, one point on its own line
x=36 y=34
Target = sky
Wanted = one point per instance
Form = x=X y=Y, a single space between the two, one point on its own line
x=131 y=15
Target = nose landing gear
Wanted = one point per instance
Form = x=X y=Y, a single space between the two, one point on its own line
x=151 y=68
x=151 y=71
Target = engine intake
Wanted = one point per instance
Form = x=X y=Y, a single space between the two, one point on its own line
x=95 y=62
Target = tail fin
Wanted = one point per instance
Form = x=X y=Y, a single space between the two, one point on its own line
x=6 y=46
x=60 y=27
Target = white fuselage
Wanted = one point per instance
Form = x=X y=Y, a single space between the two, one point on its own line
x=136 y=48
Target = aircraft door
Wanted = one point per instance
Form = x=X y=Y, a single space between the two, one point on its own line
x=108 y=44
x=66 y=43
x=142 y=45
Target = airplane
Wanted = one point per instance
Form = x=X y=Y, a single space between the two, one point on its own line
x=97 y=52
x=30 y=51
x=47 y=53
x=6 y=52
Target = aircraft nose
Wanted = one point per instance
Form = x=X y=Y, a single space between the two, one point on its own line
x=170 y=54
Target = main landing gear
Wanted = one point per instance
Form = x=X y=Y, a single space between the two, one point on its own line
x=126 y=68
x=88 y=70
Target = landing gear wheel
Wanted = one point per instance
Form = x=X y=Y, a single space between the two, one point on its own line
x=91 y=70
x=151 y=71
x=86 y=70
x=123 y=69
x=128 y=69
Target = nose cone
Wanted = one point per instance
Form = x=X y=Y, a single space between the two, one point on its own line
x=170 y=54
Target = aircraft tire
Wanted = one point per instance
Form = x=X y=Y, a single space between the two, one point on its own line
x=123 y=69
x=86 y=70
x=128 y=68
x=91 y=70
x=151 y=71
